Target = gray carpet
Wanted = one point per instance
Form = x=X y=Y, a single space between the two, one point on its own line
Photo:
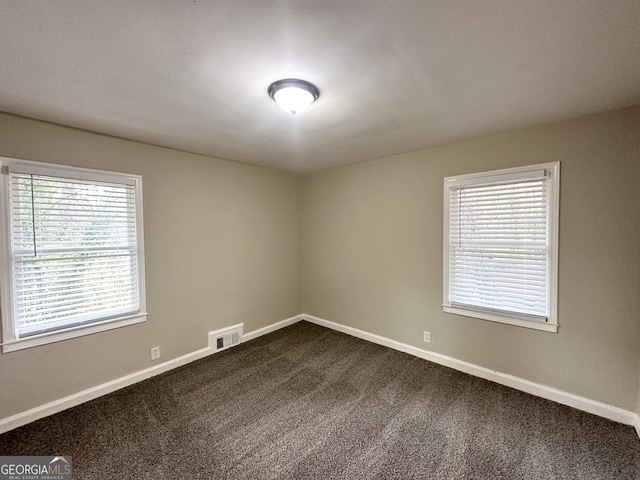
x=306 y=402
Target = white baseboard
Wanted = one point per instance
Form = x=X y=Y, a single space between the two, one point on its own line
x=271 y=328
x=581 y=403
x=33 y=414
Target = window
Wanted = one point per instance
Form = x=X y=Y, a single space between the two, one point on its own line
x=72 y=252
x=501 y=245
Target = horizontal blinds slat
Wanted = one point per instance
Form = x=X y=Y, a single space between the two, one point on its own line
x=500 y=207
x=80 y=215
x=503 y=282
x=74 y=250
x=111 y=203
x=116 y=300
x=495 y=254
x=23 y=247
x=498 y=178
x=498 y=245
x=73 y=318
x=505 y=236
x=497 y=279
x=498 y=297
x=54 y=311
x=469 y=191
x=17 y=176
x=521 y=235
x=540 y=217
x=521 y=203
x=500 y=183
x=499 y=292
x=472 y=225
x=91 y=301
x=523 y=184
x=501 y=259
x=31 y=278
x=22 y=192
x=50 y=198
x=123 y=238
x=51 y=254
x=114 y=293
x=127 y=232
x=510 y=280
x=488 y=195
x=83 y=271
x=475 y=224
x=511 y=270
x=67 y=286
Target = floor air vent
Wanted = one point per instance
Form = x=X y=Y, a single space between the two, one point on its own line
x=225 y=337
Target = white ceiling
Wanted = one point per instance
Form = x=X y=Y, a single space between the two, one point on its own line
x=394 y=75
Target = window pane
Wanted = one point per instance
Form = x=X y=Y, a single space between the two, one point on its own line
x=74 y=252
x=498 y=239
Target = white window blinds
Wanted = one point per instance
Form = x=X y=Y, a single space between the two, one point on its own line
x=499 y=238
x=73 y=251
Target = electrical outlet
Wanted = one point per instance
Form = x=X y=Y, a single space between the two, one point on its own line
x=427 y=337
x=155 y=353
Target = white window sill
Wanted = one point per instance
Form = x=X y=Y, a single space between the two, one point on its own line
x=544 y=326
x=74 y=332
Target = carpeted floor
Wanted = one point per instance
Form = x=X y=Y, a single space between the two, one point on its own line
x=306 y=402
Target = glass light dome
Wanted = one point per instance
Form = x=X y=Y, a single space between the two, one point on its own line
x=293 y=95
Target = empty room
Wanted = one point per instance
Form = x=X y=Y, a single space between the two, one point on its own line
x=287 y=239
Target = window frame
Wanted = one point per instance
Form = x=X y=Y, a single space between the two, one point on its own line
x=552 y=170
x=10 y=338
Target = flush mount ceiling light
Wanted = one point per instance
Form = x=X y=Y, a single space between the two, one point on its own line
x=293 y=95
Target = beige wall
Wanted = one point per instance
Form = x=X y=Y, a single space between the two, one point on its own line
x=372 y=254
x=222 y=247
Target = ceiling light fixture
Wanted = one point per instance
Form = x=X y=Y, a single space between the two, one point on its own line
x=293 y=95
